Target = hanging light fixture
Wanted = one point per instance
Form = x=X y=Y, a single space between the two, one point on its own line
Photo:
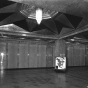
x=36 y=13
x=39 y=15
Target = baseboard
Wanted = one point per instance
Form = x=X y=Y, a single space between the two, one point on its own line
x=29 y=68
x=75 y=66
x=43 y=68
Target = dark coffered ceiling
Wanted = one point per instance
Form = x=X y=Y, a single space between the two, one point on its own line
x=71 y=16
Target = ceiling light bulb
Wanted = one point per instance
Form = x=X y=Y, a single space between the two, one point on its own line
x=39 y=15
x=72 y=40
x=2 y=54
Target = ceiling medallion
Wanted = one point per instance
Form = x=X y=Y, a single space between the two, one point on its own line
x=37 y=13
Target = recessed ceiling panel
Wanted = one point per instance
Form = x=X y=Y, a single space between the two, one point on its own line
x=65 y=31
x=44 y=32
x=12 y=18
x=82 y=24
x=59 y=26
x=51 y=25
x=8 y=9
x=40 y=27
x=75 y=20
x=31 y=24
x=4 y=3
x=4 y=15
x=63 y=19
x=22 y=24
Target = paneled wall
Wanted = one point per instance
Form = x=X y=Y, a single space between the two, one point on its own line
x=76 y=54
x=12 y=52
x=32 y=54
x=29 y=54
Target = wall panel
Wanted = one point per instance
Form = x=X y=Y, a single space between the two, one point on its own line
x=23 y=55
x=32 y=55
x=86 y=55
x=12 y=55
x=82 y=55
x=41 y=55
x=70 y=55
x=26 y=55
x=49 y=56
x=53 y=56
x=76 y=54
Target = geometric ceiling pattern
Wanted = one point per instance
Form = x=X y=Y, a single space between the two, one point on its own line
x=72 y=15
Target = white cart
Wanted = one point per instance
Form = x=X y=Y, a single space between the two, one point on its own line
x=60 y=63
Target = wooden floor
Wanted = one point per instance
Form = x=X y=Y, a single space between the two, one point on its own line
x=76 y=77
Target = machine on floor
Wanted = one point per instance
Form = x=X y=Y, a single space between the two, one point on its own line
x=60 y=63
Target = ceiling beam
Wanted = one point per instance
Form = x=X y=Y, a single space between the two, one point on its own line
x=34 y=35
x=84 y=29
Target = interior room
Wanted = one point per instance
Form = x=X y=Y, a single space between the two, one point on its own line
x=43 y=43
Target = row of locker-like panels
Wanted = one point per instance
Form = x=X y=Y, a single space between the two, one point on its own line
x=76 y=54
x=17 y=55
x=24 y=55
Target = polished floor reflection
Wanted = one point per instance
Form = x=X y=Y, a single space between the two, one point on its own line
x=76 y=77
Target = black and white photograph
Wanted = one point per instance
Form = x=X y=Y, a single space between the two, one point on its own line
x=43 y=43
